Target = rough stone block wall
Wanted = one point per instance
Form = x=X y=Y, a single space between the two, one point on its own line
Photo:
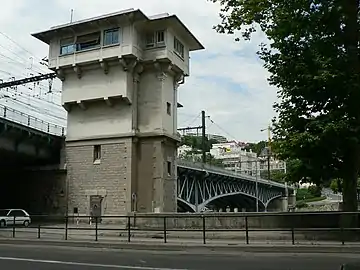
x=110 y=178
x=156 y=189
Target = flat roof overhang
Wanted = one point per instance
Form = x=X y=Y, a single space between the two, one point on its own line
x=48 y=35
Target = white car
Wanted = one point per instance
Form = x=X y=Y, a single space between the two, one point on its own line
x=8 y=216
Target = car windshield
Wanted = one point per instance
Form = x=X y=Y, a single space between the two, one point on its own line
x=3 y=213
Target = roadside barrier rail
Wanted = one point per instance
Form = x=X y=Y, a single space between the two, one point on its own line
x=340 y=227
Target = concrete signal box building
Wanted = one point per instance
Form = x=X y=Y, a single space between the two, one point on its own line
x=120 y=75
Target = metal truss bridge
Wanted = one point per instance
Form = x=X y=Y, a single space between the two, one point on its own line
x=200 y=185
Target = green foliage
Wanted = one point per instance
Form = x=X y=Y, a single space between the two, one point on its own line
x=308 y=193
x=196 y=156
x=275 y=175
x=336 y=185
x=256 y=147
x=196 y=142
x=313 y=59
x=315 y=190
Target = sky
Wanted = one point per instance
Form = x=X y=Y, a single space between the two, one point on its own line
x=227 y=79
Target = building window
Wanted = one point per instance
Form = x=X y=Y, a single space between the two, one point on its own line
x=67 y=46
x=178 y=47
x=156 y=39
x=168 y=108
x=111 y=37
x=97 y=152
x=87 y=42
x=169 y=167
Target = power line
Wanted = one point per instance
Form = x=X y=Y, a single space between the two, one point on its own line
x=26 y=50
x=28 y=80
x=193 y=119
x=223 y=130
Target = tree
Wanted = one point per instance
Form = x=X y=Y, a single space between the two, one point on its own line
x=196 y=142
x=256 y=147
x=195 y=156
x=313 y=59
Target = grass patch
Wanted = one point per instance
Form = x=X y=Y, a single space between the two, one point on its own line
x=315 y=199
x=304 y=203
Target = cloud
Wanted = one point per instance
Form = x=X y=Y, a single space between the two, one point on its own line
x=227 y=79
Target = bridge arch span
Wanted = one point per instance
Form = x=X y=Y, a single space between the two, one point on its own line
x=185 y=206
x=232 y=194
x=272 y=199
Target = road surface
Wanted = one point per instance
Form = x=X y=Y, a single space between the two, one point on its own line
x=27 y=257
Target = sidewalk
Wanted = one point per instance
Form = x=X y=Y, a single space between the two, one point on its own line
x=189 y=247
x=116 y=234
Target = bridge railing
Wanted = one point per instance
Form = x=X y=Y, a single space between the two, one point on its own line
x=30 y=121
x=216 y=169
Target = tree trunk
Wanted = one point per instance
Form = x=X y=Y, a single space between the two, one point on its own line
x=350 y=203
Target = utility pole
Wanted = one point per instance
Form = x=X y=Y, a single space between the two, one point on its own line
x=269 y=152
x=203 y=149
x=203 y=136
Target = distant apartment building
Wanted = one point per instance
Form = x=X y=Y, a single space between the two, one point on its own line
x=216 y=137
x=275 y=164
x=235 y=158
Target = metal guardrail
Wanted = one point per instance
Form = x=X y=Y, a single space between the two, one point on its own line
x=218 y=170
x=165 y=225
x=30 y=121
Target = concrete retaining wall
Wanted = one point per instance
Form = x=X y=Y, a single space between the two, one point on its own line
x=315 y=220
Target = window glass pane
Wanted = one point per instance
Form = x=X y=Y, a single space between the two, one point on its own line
x=88 y=41
x=150 y=40
x=160 y=37
x=111 y=37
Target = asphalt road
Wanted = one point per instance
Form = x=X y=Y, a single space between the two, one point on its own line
x=25 y=257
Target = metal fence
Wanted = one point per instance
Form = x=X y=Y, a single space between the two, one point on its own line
x=30 y=121
x=249 y=228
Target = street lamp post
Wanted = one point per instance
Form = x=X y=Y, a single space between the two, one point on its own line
x=256 y=186
x=268 y=150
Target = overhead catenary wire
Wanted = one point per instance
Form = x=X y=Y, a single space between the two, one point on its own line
x=42 y=99
x=222 y=129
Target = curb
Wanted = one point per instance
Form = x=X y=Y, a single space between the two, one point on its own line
x=188 y=247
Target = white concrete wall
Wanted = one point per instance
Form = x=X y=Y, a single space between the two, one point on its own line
x=154 y=93
x=182 y=63
x=128 y=45
x=99 y=120
x=169 y=95
x=95 y=84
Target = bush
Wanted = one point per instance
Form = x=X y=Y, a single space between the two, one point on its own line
x=315 y=191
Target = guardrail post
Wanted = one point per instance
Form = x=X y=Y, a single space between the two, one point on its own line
x=66 y=227
x=204 y=229
x=293 y=234
x=39 y=226
x=129 y=228
x=48 y=127
x=96 y=228
x=5 y=109
x=342 y=234
x=246 y=230
x=165 y=239
x=13 y=228
x=28 y=120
